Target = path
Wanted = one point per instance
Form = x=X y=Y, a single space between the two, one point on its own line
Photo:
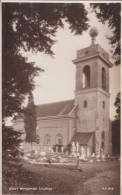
x=105 y=181
x=96 y=178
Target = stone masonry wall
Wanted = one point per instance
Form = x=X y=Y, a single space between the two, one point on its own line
x=53 y=127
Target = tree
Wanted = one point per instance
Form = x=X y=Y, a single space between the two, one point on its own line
x=11 y=163
x=117 y=104
x=30 y=27
x=116 y=127
x=25 y=27
x=30 y=121
x=33 y=25
x=17 y=81
x=111 y=14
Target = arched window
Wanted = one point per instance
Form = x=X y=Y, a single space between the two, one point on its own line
x=86 y=77
x=47 y=140
x=85 y=104
x=103 y=78
x=59 y=139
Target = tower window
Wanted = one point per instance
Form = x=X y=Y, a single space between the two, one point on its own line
x=102 y=145
x=86 y=77
x=85 y=104
x=103 y=140
x=86 y=52
x=103 y=135
x=103 y=78
x=103 y=104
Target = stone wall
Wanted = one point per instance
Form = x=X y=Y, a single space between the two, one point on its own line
x=95 y=116
x=53 y=127
x=49 y=126
x=103 y=118
x=86 y=116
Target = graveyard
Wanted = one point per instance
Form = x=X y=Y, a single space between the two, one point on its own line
x=72 y=173
x=45 y=178
x=75 y=155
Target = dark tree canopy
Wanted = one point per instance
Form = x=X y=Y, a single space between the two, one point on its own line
x=30 y=120
x=10 y=155
x=116 y=137
x=111 y=13
x=10 y=139
x=116 y=126
x=117 y=104
x=17 y=81
x=31 y=26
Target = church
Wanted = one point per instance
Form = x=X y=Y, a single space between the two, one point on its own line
x=83 y=120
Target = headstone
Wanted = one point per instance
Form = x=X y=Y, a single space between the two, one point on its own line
x=88 y=152
x=83 y=152
x=93 y=155
x=77 y=147
x=103 y=157
x=73 y=149
x=43 y=153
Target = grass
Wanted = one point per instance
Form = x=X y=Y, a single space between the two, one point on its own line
x=62 y=180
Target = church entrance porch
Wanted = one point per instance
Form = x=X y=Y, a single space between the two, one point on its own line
x=82 y=145
x=82 y=151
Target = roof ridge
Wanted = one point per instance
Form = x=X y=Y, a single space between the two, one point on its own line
x=49 y=103
x=55 y=108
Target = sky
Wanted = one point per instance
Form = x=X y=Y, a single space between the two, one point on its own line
x=57 y=83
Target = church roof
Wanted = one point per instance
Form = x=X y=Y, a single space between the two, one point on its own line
x=81 y=138
x=54 y=109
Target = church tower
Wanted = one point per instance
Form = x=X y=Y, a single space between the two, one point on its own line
x=92 y=94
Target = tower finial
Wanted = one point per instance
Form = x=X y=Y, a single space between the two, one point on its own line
x=93 y=34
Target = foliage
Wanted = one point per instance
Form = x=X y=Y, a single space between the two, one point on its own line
x=30 y=120
x=10 y=157
x=116 y=126
x=29 y=27
x=33 y=25
x=117 y=104
x=110 y=13
x=16 y=83
x=10 y=139
x=116 y=137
